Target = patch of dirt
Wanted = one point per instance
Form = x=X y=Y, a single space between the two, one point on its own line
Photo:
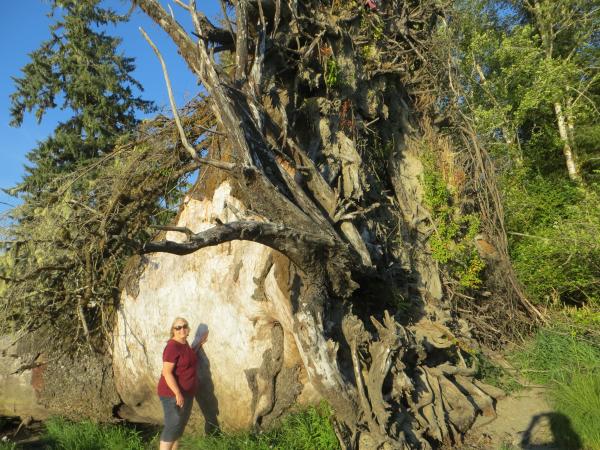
x=27 y=433
x=525 y=421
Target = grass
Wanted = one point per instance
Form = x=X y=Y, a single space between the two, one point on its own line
x=306 y=430
x=569 y=362
x=556 y=353
x=578 y=399
x=309 y=429
x=62 y=434
x=7 y=446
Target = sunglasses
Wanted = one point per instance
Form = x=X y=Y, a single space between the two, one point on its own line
x=179 y=327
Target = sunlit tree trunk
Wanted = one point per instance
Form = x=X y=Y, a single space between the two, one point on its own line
x=545 y=23
x=565 y=136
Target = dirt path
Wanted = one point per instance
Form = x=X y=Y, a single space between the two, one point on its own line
x=525 y=421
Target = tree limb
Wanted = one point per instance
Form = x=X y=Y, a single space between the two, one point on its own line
x=295 y=244
x=191 y=150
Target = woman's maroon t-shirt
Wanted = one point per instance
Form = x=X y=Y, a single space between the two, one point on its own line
x=185 y=360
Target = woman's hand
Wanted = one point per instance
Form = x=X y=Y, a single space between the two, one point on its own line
x=171 y=382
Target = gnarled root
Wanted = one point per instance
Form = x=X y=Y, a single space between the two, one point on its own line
x=413 y=386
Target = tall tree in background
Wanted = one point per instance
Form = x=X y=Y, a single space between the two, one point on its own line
x=530 y=79
x=564 y=30
x=78 y=69
x=533 y=64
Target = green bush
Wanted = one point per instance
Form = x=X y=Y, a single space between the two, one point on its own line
x=452 y=243
x=554 y=232
x=65 y=435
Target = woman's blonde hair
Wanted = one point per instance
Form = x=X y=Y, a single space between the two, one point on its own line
x=171 y=333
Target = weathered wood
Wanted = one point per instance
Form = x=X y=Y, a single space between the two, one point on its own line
x=316 y=200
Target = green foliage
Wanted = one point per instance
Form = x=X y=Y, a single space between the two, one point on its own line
x=306 y=430
x=452 y=243
x=8 y=446
x=556 y=248
x=584 y=317
x=78 y=69
x=332 y=73
x=513 y=74
x=66 y=254
x=53 y=267
x=64 y=435
x=494 y=375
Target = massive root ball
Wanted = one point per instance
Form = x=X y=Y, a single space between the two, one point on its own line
x=307 y=224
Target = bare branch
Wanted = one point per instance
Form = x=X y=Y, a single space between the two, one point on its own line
x=291 y=242
x=191 y=150
x=186 y=46
x=189 y=233
x=241 y=46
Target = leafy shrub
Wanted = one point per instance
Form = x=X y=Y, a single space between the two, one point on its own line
x=554 y=231
x=452 y=243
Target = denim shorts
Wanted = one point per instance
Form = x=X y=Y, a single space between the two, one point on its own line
x=176 y=418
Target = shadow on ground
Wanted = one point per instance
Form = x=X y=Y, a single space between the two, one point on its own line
x=559 y=430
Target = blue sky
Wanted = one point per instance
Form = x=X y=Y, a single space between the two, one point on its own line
x=24 y=25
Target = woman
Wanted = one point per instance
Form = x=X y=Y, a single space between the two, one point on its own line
x=178 y=383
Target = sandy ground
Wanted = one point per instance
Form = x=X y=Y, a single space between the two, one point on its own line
x=525 y=421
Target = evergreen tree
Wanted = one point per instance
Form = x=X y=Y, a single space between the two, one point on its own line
x=78 y=69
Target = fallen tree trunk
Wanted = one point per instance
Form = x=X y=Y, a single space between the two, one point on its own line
x=311 y=116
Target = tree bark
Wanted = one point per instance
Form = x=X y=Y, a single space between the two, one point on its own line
x=301 y=114
x=565 y=137
x=548 y=28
